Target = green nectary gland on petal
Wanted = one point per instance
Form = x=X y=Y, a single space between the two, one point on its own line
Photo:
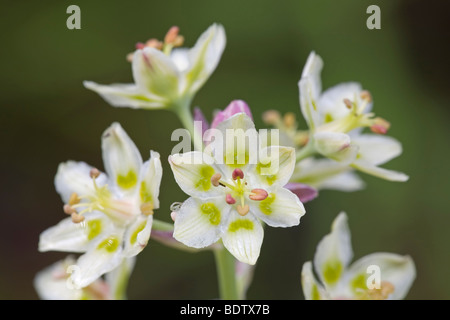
x=110 y=244
x=266 y=205
x=270 y=178
x=94 y=228
x=212 y=211
x=332 y=270
x=127 y=181
x=358 y=283
x=315 y=294
x=240 y=224
x=134 y=235
x=146 y=196
x=204 y=183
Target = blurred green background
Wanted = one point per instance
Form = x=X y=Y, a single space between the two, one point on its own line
x=48 y=117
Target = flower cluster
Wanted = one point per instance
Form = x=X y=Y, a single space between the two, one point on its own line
x=238 y=180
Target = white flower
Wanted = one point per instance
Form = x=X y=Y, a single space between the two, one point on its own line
x=112 y=213
x=167 y=78
x=228 y=199
x=54 y=283
x=336 y=118
x=341 y=281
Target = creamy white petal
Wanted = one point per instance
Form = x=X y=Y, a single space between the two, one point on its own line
x=200 y=223
x=281 y=208
x=312 y=289
x=204 y=57
x=121 y=158
x=155 y=72
x=193 y=172
x=137 y=235
x=180 y=57
x=399 y=271
x=334 y=253
x=236 y=140
x=126 y=95
x=382 y=173
x=331 y=103
x=310 y=86
x=73 y=177
x=151 y=180
x=51 y=283
x=346 y=181
x=103 y=256
x=74 y=237
x=336 y=146
x=377 y=149
x=243 y=237
x=274 y=166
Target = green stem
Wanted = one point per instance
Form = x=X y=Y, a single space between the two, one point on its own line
x=226 y=273
x=306 y=151
x=183 y=110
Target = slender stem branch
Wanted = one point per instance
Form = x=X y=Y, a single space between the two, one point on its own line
x=226 y=273
x=306 y=151
x=184 y=113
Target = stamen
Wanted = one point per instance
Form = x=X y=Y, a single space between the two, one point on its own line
x=380 y=126
x=94 y=173
x=171 y=35
x=237 y=173
x=154 y=43
x=178 y=42
x=271 y=117
x=215 y=179
x=77 y=218
x=147 y=208
x=289 y=119
x=383 y=293
x=258 y=194
x=68 y=209
x=140 y=45
x=243 y=210
x=229 y=199
x=348 y=103
x=365 y=95
x=74 y=199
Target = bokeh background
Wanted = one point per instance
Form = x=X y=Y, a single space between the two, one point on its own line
x=48 y=117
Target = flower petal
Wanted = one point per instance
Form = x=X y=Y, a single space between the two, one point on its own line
x=382 y=173
x=304 y=192
x=336 y=146
x=180 y=57
x=346 y=181
x=74 y=237
x=193 y=172
x=334 y=253
x=121 y=158
x=137 y=235
x=154 y=72
x=199 y=223
x=312 y=289
x=398 y=270
x=151 y=180
x=310 y=86
x=235 y=140
x=103 y=256
x=243 y=237
x=274 y=166
x=204 y=57
x=331 y=103
x=75 y=177
x=281 y=208
x=377 y=149
x=126 y=95
x=51 y=283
